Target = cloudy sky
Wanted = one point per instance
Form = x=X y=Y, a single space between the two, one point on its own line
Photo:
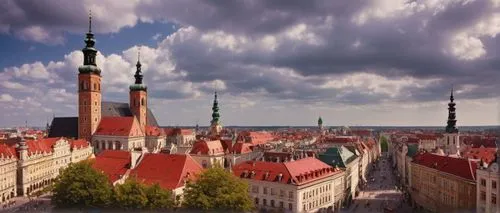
x=283 y=62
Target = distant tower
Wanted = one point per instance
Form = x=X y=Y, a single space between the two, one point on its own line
x=22 y=149
x=215 y=126
x=138 y=96
x=89 y=89
x=320 y=123
x=451 y=135
x=196 y=128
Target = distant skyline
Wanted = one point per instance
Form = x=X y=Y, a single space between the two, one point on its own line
x=285 y=63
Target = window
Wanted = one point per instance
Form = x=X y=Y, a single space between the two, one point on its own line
x=483 y=182
x=95 y=86
x=142 y=102
x=273 y=192
x=282 y=193
x=493 y=198
x=265 y=191
x=290 y=194
x=255 y=189
x=493 y=184
x=282 y=205
x=257 y=201
x=81 y=85
x=264 y=201
x=483 y=196
x=290 y=206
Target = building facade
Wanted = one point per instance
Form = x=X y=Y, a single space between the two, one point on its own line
x=488 y=189
x=304 y=185
x=442 y=183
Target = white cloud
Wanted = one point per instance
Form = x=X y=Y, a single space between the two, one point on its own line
x=466 y=47
x=6 y=98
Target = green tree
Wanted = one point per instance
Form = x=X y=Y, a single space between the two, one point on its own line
x=384 y=145
x=80 y=186
x=217 y=190
x=131 y=195
x=158 y=198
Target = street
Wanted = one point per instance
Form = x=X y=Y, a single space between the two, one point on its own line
x=380 y=192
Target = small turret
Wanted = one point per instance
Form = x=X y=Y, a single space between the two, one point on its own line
x=22 y=149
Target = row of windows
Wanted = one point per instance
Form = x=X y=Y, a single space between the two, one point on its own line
x=317 y=203
x=316 y=191
x=493 y=199
x=273 y=191
x=272 y=203
x=84 y=85
x=493 y=183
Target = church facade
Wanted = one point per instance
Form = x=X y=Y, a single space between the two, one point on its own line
x=109 y=125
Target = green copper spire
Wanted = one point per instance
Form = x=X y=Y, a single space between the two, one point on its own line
x=320 y=121
x=89 y=53
x=138 y=75
x=215 y=111
x=452 y=122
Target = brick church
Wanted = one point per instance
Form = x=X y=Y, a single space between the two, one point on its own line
x=109 y=125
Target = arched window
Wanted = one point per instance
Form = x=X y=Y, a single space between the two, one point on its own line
x=448 y=138
x=95 y=86
x=142 y=101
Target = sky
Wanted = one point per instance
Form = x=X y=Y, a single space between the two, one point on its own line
x=282 y=62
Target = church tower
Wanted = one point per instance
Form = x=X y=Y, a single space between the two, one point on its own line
x=215 y=126
x=451 y=135
x=89 y=89
x=320 y=123
x=138 y=96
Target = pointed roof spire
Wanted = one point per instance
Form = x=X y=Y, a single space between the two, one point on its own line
x=451 y=94
x=452 y=122
x=90 y=20
x=138 y=85
x=89 y=52
x=215 y=110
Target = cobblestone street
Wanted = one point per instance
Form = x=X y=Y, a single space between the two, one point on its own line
x=380 y=193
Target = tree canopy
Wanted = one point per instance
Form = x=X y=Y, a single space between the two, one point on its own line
x=384 y=146
x=80 y=186
x=217 y=190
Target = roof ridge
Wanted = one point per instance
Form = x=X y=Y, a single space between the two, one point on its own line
x=182 y=171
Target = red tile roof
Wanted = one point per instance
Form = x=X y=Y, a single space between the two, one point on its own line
x=7 y=151
x=119 y=126
x=487 y=155
x=338 y=139
x=44 y=145
x=169 y=131
x=168 y=170
x=427 y=136
x=78 y=144
x=154 y=131
x=242 y=148
x=297 y=172
x=255 y=138
x=476 y=142
x=456 y=166
x=361 y=132
x=113 y=163
x=207 y=147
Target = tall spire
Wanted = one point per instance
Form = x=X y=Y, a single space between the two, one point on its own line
x=90 y=21
x=89 y=52
x=215 y=110
x=138 y=73
x=451 y=124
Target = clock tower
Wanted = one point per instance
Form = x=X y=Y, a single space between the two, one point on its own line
x=89 y=89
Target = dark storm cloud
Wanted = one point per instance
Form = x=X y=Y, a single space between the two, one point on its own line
x=246 y=16
x=397 y=46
